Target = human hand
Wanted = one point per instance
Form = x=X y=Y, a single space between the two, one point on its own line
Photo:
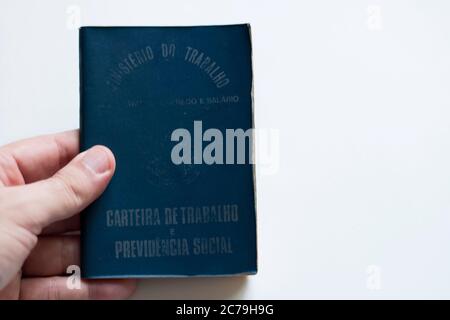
x=44 y=184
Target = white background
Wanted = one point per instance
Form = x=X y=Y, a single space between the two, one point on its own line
x=359 y=93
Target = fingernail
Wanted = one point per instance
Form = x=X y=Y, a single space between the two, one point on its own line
x=96 y=160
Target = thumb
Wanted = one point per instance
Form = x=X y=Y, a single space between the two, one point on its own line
x=70 y=190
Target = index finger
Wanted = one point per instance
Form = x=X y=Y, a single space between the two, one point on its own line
x=40 y=157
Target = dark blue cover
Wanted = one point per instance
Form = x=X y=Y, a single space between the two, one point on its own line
x=139 y=84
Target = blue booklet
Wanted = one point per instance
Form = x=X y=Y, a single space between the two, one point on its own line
x=175 y=106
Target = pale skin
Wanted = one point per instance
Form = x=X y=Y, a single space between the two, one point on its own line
x=44 y=184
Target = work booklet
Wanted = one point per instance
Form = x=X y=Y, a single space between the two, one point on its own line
x=175 y=106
